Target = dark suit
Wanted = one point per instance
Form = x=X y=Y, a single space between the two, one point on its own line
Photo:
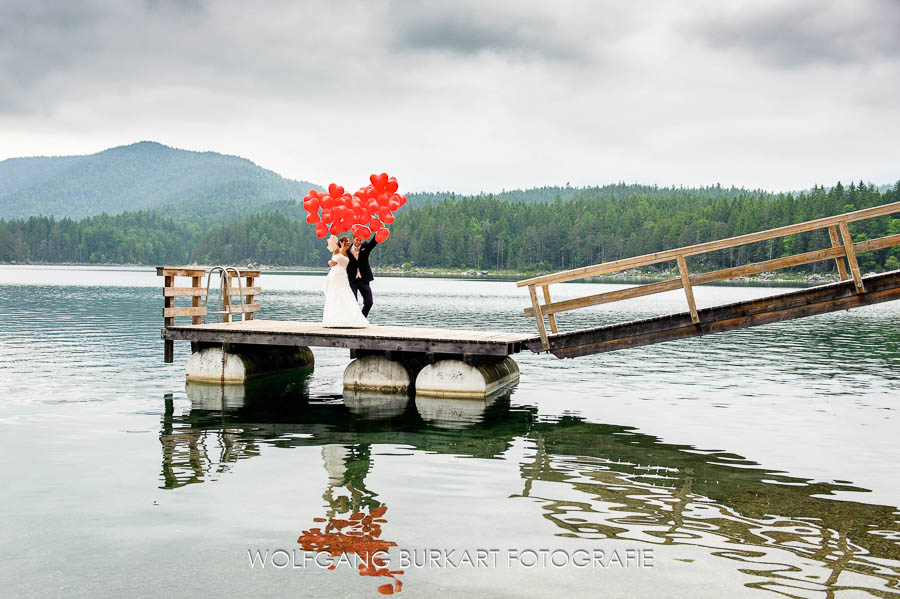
x=360 y=284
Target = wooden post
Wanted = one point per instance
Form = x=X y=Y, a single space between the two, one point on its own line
x=249 y=299
x=851 y=256
x=539 y=316
x=688 y=290
x=552 y=317
x=226 y=298
x=168 y=321
x=195 y=300
x=835 y=243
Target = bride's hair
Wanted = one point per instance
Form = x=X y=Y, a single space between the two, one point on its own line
x=340 y=245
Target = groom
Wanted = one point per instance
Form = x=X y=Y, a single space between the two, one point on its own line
x=359 y=272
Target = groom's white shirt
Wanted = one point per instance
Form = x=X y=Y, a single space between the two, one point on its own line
x=355 y=251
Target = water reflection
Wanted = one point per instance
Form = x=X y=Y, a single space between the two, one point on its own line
x=593 y=481
x=460 y=413
x=781 y=530
x=370 y=405
x=353 y=518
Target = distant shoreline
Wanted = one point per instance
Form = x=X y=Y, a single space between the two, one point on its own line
x=628 y=277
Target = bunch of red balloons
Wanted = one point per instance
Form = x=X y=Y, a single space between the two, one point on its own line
x=364 y=212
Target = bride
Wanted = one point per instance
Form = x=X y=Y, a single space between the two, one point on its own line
x=341 y=309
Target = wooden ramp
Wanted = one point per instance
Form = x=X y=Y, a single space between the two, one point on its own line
x=797 y=304
x=853 y=291
x=374 y=338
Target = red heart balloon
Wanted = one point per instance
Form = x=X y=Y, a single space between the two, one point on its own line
x=382 y=235
x=379 y=181
x=313 y=218
x=375 y=224
x=401 y=199
x=393 y=205
x=327 y=216
x=391 y=185
x=321 y=230
x=386 y=216
x=335 y=190
x=327 y=202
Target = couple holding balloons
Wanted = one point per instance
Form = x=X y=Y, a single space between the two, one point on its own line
x=350 y=276
x=365 y=212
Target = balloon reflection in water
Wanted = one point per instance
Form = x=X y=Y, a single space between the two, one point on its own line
x=349 y=530
x=356 y=535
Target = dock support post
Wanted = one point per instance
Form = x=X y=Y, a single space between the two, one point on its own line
x=168 y=302
x=195 y=300
x=249 y=299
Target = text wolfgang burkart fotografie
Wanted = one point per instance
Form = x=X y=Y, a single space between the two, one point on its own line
x=594 y=558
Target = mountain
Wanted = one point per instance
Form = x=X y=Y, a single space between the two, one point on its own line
x=141 y=176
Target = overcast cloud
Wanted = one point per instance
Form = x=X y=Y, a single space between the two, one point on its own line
x=467 y=96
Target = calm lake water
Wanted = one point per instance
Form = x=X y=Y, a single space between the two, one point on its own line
x=755 y=463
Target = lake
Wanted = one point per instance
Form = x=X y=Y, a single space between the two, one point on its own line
x=755 y=463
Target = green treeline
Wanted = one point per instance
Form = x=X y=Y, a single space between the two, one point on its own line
x=272 y=238
x=128 y=238
x=480 y=232
x=611 y=191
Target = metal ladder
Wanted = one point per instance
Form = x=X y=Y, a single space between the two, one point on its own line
x=225 y=293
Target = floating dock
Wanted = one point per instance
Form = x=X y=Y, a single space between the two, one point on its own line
x=426 y=341
x=475 y=364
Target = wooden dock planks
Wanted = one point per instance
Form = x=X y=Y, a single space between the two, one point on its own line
x=378 y=338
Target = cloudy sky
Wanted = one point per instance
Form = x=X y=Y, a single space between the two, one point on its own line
x=469 y=96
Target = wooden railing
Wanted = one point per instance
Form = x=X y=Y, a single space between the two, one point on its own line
x=842 y=248
x=197 y=291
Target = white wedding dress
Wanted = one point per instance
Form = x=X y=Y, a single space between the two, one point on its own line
x=341 y=309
